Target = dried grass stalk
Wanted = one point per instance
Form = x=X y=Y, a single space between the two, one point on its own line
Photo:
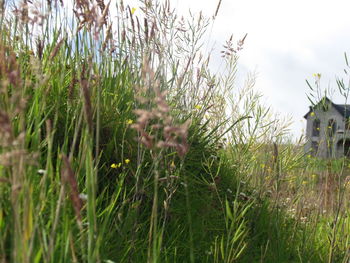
x=68 y=177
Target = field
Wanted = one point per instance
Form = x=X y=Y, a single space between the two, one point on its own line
x=119 y=144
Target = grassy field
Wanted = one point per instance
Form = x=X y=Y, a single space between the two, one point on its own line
x=118 y=144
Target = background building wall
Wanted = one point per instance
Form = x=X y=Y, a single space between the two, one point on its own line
x=327 y=146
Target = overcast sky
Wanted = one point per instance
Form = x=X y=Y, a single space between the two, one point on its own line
x=288 y=41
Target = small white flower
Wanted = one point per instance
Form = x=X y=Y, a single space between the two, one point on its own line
x=83 y=196
x=303 y=219
x=42 y=171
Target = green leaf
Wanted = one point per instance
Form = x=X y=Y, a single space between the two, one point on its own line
x=228 y=211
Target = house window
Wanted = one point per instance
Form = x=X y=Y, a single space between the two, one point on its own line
x=344 y=147
x=332 y=127
x=314 y=148
x=316 y=127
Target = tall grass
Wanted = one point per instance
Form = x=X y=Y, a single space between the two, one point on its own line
x=117 y=144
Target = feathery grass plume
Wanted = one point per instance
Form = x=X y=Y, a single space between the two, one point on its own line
x=91 y=15
x=29 y=13
x=173 y=136
x=2 y=7
x=108 y=39
x=9 y=68
x=24 y=12
x=5 y=129
x=230 y=49
x=85 y=89
x=102 y=5
x=69 y=178
x=56 y=48
x=217 y=9
x=39 y=48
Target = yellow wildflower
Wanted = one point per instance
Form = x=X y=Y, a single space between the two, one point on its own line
x=133 y=10
x=304 y=182
x=312 y=114
x=262 y=166
x=129 y=121
x=127 y=161
x=115 y=166
x=198 y=107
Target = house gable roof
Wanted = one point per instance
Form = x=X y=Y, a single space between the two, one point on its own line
x=343 y=109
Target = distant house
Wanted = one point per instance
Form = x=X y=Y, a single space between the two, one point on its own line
x=328 y=129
